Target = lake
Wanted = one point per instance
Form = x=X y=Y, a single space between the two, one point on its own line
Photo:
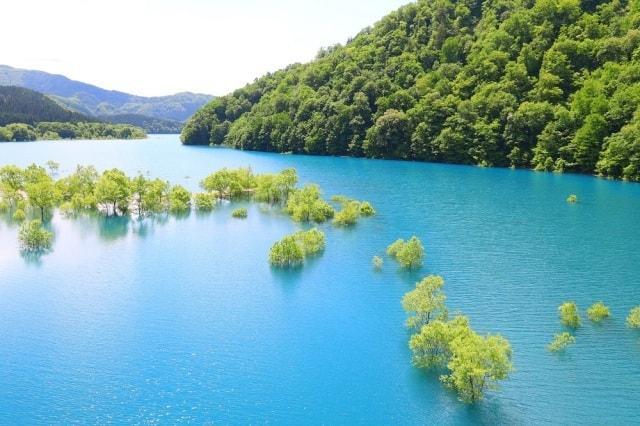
x=183 y=320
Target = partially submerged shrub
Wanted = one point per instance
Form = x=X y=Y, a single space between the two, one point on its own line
x=19 y=215
x=409 y=254
x=240 y=213
x=569 y=316
x=377 y=263
x=598 y=312
x=292 y=249
x=33 y=237
x=560 y=342
x=633 y=320
x=204 y=201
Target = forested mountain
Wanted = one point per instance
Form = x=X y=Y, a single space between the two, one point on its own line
x=149 y=124
x=92 y=100
x=19 y=105
x=546 y=84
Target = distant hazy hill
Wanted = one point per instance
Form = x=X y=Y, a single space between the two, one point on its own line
x=92 y=100
x=20 y=105
x=150 y=124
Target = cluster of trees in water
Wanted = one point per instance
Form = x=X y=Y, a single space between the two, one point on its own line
x=21 y=132
x=33 y=191
x=546 y=84
x=472 y=363
x=570 y=318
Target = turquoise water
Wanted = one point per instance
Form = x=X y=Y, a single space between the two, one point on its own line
x=184 y=321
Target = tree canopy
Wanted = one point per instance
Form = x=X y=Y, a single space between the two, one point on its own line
x=546 y=84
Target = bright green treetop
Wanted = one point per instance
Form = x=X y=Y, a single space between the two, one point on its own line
x=569 y=316
x=426 y=302
x=633 y=320
x=560 y=342
x=598 y=312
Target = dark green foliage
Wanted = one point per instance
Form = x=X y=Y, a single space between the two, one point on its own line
x=149 y=124
x=552 y=85
x=18 y=105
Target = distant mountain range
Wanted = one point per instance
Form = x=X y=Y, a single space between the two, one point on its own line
x=168 y=111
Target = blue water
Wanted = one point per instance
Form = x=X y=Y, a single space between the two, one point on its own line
x=183 y=320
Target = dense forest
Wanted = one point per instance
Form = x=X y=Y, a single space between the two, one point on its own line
x=18 y=105
x=149 y=124
x=95 y=101
x=545 y=84
x=26 y=115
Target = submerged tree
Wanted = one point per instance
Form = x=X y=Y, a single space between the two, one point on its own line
x=377 y=263
x=633 y=320
x=34 y=237
x=113 y=191
x=286 y=253
x=598 y=312
x=475 y=363
x=294 y=248
x=409 y=254
x=240 y=213
x=569 y=316
x=560 y=342
x=179 y=199
x=426 y=302
x=306 y=205
x=42 y=193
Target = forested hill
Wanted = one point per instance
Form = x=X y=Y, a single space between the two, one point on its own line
x=546 y=84
x=19 y=105
x=95 y=101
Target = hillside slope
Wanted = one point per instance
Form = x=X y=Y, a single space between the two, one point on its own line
x=19 y=105
x=93 y=100
x=546 y=84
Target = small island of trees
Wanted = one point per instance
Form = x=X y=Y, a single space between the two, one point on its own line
x=292 y=250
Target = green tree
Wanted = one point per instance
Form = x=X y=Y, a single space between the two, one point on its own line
x=569 y=316
x=286 y=253
x=409 y=254
x=598 y=312
x=113 y=191
x=633 y=320
x=426 y=302
x=560 y=342
x=42 y=194
x=179 y=199
x=34 y=237
x=477 y=364
x=240 y=213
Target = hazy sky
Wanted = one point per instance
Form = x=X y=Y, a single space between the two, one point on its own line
x=159 y=47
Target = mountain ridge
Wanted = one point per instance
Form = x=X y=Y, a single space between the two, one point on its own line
x=96 y=101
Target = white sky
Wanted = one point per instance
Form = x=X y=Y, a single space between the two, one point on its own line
x=160 y=47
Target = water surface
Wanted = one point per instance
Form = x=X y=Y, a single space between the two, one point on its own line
x=183 y=319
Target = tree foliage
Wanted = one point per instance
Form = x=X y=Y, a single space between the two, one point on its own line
x=569 y=316
x=34 y=237
x=409 y=254
x=560 y=342
x=598 y=312
x=550 y=85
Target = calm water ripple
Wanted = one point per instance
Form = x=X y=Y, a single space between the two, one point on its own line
x=184 y=320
